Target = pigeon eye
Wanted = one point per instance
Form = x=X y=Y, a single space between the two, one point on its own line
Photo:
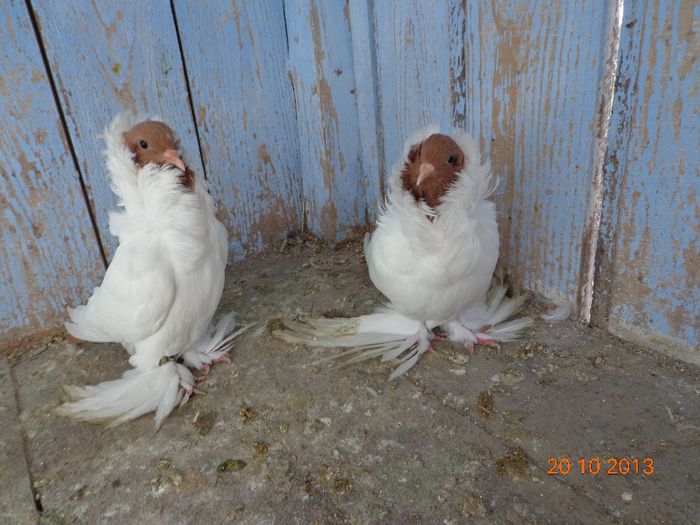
x=143 y=144
x=452 y=160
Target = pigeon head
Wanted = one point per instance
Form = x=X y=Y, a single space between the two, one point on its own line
x=152 y=141
x=432 y=167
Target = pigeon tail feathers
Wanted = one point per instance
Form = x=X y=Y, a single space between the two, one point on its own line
x=136 y=393
x=384 y=334
x=140 y=391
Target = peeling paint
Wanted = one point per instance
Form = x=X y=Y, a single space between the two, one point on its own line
x=244 y=111
x=49 y=257
x=649 y=279
x=91 y=93
x=327 y=115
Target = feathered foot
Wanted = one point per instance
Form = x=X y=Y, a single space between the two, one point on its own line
x=456 y=331
x=485 y=341
x=425 y=336
x=486 y=324
x=213 y=347
x=223 y=359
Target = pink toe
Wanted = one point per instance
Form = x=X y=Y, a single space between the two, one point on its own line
x=487 y=342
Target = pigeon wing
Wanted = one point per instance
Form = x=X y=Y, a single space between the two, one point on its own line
x=134 y=298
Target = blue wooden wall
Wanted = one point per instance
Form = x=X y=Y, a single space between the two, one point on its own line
x=295 y=111
x=649 y=275
x=49 y=255
x=107 y=57
x=236 y=59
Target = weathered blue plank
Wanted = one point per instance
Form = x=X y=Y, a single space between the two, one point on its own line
x=533 y=72
x=556 y=128
x=321 y=62
x=651 y=224
x=107 y=57
x=415 y=44
x=49 y=256
x=365 y=67
x=244 y=105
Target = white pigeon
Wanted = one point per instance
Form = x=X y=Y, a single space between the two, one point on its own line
x=163 y=285
x=432 y=254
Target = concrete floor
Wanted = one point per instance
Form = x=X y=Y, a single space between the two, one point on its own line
x=278 y=440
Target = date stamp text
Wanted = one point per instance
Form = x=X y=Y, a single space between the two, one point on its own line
x=593 y=466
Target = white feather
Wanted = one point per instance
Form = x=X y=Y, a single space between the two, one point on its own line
x=561 y=312
x=160 y=291
x=434 y=269
x=136 y=393
x=434 y=266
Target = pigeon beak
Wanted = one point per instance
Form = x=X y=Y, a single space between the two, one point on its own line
x=173 y=158
x=425 y=171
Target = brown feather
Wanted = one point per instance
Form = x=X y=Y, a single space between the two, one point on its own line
x=448 y=160
x=148 y=141
x=187 y=179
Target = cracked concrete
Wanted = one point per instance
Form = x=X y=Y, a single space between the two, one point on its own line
x=278 y=440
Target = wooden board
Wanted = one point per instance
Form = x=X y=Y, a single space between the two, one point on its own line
x=362 y=30
x=108 y=57
x=321 y=63
x=49 y=256
x=648 y=281
x=236 y=57
x=415 y=42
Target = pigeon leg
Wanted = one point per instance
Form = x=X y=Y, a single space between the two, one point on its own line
x=191 y=392
x=456 y=331
x=206 y=367
x=204 y=361
x=424 y=338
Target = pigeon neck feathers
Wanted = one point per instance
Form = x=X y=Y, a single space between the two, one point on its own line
x=153 y=197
